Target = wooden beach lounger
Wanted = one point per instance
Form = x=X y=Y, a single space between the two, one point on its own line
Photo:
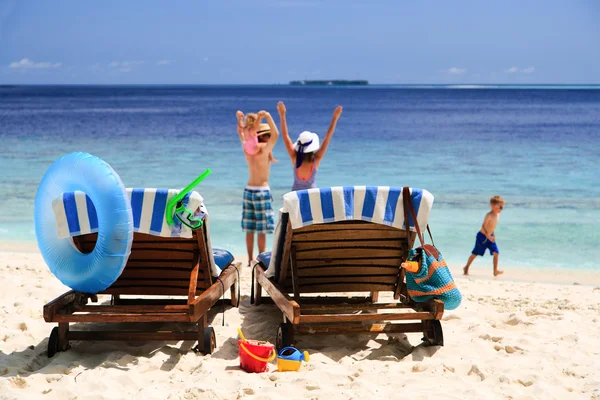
x=345 y=240
x=176 y=278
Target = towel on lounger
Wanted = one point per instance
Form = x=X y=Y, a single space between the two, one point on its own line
x=75 y=215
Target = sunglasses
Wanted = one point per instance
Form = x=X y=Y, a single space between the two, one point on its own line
x=501 y=207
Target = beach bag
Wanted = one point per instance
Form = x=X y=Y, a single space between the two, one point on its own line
x=433 y=280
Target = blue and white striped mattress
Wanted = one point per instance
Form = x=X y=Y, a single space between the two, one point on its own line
x=377 y=204
x=75 y=215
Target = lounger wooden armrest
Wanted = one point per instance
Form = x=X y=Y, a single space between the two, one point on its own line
x=434 y=306
x=53 y=307
x=286 y=304
x=201 y=304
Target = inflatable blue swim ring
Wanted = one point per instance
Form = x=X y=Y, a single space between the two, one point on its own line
x=95 y=271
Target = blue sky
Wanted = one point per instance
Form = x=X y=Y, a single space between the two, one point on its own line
x=275 y=41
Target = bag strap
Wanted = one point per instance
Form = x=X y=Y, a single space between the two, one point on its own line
x=430 y=236
x=405 y=208
x=409 y=207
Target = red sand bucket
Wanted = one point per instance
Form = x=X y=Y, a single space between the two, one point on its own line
x=254 y=356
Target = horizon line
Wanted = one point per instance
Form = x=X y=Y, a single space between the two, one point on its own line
x=11 y=85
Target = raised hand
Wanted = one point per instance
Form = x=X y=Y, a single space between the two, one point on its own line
x=337 y=112
x=281 y=108
x=240 y=124
x=264 y=114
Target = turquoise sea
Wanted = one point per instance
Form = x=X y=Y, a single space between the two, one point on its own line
x=538 y=147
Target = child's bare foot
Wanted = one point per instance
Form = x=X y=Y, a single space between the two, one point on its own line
x=497 y=272
x=465 y=271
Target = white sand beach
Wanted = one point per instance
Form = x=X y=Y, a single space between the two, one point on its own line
x=512 y=337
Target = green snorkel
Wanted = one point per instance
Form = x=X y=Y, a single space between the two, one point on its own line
x=177 y=204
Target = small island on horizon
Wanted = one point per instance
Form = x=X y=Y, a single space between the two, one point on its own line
x=335 y=82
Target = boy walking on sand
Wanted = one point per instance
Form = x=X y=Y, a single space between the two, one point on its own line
x=257 y=216
x=485 y=239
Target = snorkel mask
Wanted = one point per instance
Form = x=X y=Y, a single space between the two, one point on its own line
x=187 y=217
x=176 y=208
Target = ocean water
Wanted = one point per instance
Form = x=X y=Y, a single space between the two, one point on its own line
x=538 y=148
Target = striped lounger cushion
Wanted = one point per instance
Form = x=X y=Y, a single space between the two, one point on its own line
x=75 y=215
x=378 y=204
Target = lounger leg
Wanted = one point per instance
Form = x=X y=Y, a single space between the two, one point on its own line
x=285 y=335
x=432 y=333
x=63 y=336
x=115 y=299
x=234 y=294
x=257 y=293
x=207 y=342
x=374 y=297
x=202 y=324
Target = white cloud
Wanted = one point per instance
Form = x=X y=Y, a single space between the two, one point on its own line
x=26 y=63
x=124 y=66
x=96 y=68
x=119 y=64
x=456 y=71
x=528 y=70
x=515 y=70
x=164 y=62
x=292 y=3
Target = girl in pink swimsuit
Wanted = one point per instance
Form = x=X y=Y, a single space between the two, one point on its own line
x=249 y=129
x=306 y=153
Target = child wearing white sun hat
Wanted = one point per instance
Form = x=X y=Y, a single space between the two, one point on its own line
x=306 y=153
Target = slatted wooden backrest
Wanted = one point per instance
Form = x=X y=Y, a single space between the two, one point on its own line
x=159 y=265
x=348 y=256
